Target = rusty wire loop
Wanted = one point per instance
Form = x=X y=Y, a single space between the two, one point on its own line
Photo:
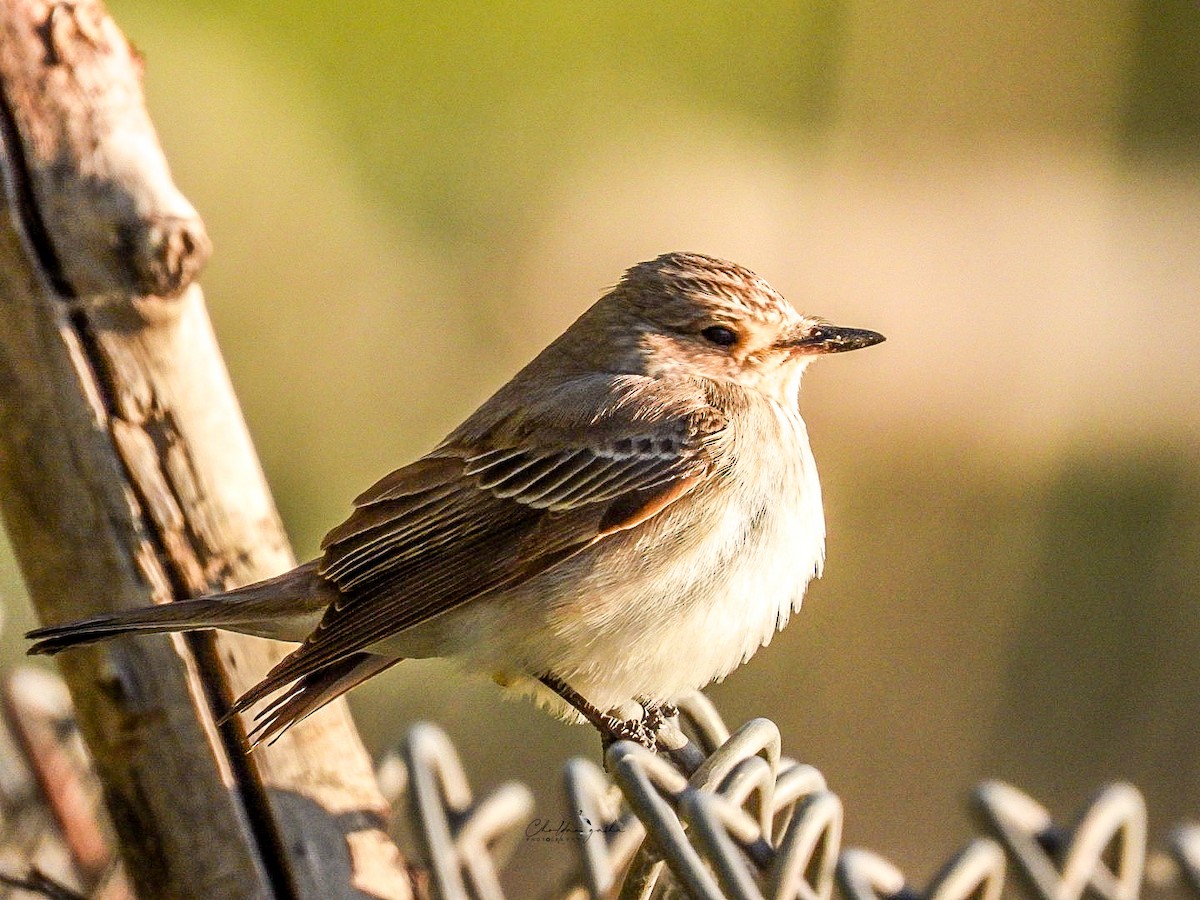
x=726 y=815
x=712 y=823
x=714 y=830
x=1185 y=848
x=463 y=842
x=1061 y=863
x=975 y=871
x=729 y=816
x=55 y=839
x=613 y=834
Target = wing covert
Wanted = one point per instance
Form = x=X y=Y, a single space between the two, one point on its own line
x=475 y=518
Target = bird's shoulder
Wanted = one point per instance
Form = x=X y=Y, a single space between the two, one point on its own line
x=582 y=409
x=526 y=483
x=614 y=449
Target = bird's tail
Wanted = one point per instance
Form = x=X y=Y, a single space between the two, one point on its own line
x=286 y=608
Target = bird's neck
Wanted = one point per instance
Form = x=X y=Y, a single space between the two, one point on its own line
x=783 y=385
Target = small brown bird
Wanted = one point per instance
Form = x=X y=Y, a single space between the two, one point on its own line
x=632 y=516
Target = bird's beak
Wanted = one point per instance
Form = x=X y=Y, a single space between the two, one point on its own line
x=824 y=338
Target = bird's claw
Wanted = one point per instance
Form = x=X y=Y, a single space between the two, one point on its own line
x=644 y=730
x=637 y=730
x=655 y=715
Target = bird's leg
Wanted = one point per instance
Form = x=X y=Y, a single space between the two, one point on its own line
x=610 y=727
x=656 y=713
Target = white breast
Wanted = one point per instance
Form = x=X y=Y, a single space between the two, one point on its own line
x=769 y=546
x=676 y=607
x=729 y=582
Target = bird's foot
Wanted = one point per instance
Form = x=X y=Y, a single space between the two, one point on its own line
x=655 y=714
x=640 y=731
x=643 y=730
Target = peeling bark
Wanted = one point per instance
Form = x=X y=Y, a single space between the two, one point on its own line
x=127 y=477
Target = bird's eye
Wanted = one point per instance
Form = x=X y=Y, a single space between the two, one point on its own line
x=720 y=335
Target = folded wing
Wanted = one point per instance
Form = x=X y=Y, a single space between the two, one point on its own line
x=482 y=514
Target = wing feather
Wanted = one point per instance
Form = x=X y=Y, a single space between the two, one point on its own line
x=628 y=478
x=482 y=462
x=542 y=492
x=479 y=516
x=534 y=467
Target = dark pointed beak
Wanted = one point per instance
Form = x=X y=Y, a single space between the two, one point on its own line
x=833 y=339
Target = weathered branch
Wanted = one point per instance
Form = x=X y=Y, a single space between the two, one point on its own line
x=127 y=477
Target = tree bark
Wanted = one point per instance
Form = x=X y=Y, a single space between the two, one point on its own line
x=127 y=477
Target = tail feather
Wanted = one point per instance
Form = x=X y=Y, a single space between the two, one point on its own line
x=286 y=607
x=178 y=616
x=308 y=694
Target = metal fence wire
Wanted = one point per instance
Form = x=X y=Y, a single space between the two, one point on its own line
x=727 y=815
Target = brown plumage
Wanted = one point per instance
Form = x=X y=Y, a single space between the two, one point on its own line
x=553 y=528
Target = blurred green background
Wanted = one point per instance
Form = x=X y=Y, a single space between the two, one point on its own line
x=409 y=200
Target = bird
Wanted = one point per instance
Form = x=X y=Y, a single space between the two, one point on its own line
x=631 y=517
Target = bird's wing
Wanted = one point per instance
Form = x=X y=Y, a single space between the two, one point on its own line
x=494 y=506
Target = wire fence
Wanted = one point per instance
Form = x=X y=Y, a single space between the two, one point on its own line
x=729 y=816
x=726 y=815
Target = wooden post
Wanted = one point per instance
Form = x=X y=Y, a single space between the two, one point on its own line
x=127 y=477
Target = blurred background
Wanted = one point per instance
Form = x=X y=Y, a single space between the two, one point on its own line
x=409 y=200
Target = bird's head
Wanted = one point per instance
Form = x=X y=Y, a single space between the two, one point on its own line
x=686 y=313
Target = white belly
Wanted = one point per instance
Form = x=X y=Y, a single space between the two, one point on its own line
x=673 y=609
